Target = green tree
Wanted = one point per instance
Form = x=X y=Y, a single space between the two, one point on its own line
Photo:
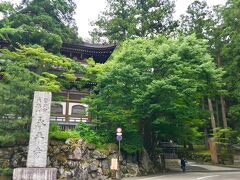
x=29 y=69
x=206 y=23
x=46 y=23
x=152 y=89
x=231 y=59
x=198 y=20
x=129 y=19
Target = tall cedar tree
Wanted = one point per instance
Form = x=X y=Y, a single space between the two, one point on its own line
x=125 y=19
x=206 y=23
x=231 y=58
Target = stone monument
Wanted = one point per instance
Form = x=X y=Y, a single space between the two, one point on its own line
x=38 y=144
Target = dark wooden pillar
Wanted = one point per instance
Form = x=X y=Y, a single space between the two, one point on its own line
x=67 y=116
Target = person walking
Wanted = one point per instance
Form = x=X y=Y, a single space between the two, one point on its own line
x=183 y=164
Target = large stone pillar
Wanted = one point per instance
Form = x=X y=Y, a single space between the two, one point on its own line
x=38 y=143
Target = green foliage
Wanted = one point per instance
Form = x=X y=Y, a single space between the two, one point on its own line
x=56 y=133
x=6 y=8
x=156 y=85
x=54 y=127
x=134 y=18
x=226 y=136
x=127 y=142
x=16 y=91
x=29 y=69
x=82 y=130
x=63 y=135
x=6 y=171
x=46 y=23
x=198 y=20
x=14 y=132
x=231 y=43
x=88 y=134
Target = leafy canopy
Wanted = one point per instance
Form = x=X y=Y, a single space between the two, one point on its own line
x=32 y=68
x=43 y=22
x=155 y=87
x=134 y=18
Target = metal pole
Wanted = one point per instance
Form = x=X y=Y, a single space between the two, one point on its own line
x=119 y=153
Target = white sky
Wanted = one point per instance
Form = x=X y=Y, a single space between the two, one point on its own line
x=88 y=10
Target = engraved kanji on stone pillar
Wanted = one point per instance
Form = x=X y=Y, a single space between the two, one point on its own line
x=38 y=144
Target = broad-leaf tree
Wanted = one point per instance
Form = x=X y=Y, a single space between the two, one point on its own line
x=152 y=89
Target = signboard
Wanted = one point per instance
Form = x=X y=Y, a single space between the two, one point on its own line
x=114 y=164
x=119 y=138
x=119 y=130
x=119 y=134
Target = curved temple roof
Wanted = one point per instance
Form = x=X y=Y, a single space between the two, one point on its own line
x=100 y=53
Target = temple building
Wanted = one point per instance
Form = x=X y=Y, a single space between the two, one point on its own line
x=70 y=110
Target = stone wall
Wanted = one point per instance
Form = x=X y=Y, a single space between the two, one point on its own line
x=76 y=159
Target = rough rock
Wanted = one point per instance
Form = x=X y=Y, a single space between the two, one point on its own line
x=146 y=163
x=93 y=167
x=91 y=146
x=132 y=170
x=77 y=160
x=77 y=154
x=105 y=164
x=98 y=155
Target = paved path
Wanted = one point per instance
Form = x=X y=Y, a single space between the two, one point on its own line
x=195 y=167
x=197 y=172
x=194 y=176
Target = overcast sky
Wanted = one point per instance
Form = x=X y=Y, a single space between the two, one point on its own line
x=88 y=10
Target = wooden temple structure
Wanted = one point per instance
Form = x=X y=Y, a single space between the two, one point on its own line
x=70 y=110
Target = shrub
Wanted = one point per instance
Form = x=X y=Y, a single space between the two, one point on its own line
x=7 y=140
x=6 y=171
x=54 y=127
x=88 y=134
x=56 y=133
x=14 y=132
x=63 y=135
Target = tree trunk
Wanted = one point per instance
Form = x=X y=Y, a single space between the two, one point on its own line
x=223 y=107
x=148 y=136
x=206 y=136
x=205 y=126
x=190 y=147
x=217 y=113
x=213 y=121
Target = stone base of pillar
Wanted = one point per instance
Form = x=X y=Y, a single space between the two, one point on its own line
x=35 y=174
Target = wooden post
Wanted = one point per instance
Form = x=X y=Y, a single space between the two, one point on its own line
x=67 y=118
x=114 y=167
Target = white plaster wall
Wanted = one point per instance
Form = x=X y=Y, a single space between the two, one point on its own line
x=70 y=107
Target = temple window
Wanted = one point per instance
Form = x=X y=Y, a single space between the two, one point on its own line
x=57 y=109
x=78 y=110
